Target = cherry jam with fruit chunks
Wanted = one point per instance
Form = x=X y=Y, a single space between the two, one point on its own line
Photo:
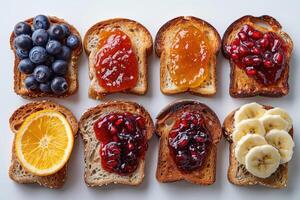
x=189 y=141
x=123 y=141
x=116 y=62
x=261 y=55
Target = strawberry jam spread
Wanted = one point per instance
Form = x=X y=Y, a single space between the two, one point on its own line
x=123 y=141
x=261 y=55
x=189 y=58
x=189 y=141
x=116 y=61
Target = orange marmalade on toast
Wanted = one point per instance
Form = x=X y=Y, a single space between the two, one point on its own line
x=189 y=58
x=116 y=62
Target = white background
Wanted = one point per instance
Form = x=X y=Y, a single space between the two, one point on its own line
x=152 y=14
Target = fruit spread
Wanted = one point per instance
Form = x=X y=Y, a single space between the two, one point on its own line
x=116 y=61
x=189 y=141
x=261 y=55
x=123 y=141
x=189 y=58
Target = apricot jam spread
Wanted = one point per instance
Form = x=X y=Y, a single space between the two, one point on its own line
x=189 y=55
x=116 y=61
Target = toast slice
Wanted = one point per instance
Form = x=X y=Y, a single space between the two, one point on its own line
x=16 y=171
x=241 y=85
x=163 y=42
x=237 y=173
x=71 y=76
x=167 y=170
x=142 y=45
x=94 y=174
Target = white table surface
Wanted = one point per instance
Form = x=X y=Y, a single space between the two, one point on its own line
x=152 y=14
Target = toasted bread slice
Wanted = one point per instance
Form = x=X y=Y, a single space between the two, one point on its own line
x=167 y=170
x=94 y=174
x=142 y=45
x=163 y=43
x=16 y=171
x=71 y=76
x=241 y=85
x=237 y=173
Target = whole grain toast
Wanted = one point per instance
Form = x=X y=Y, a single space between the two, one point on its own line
x=163 y=42
x=72 y=72
x=241 y=85
x=142 y=45
x=16 y=171
x=167 y=170
x=238 y=174
x=94 y=174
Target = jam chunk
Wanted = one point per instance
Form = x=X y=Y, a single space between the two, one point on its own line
x=189 y=141
x=116 y=62
x=189 y=58
x=123 y=142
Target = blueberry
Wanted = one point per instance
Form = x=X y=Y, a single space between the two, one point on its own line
x=38 y=55
x=22 y=28
x=66 y=29
x=56 y=32
x=53 y=47
x=23 y=42
x=31 y=83
x=41 y=22
x=22 y=53
x=50 y=59
x=26 y=66
x=59 y=85
x=40 y=37
x=60 y=67
x=64 y=54
x=72 y=41
x=45 y=87
x=42 y=73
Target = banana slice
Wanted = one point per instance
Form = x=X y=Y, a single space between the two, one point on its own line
x=283 y=114
x=251 y=126
x=262 y=161
x=283 y=142
x=248 y=111
x=273 y=122
x=246 y=144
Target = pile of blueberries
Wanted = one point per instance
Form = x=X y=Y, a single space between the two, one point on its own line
x=44 y=51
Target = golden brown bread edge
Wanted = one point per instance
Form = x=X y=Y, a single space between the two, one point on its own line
x=238 y=78
x=237 y=173
x=16 y=171
x=167 y=170
x=19 y=87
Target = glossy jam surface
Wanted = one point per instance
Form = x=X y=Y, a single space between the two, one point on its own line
x=261 y=55
x=189 y=141
x=123 y=142
x=189 y=58
x=116 y=62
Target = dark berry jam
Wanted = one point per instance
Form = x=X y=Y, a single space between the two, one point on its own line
x=261 y=55
x=123 y=141
x=189 y=141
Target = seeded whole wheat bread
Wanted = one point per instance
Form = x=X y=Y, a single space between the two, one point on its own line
x=167 y=170
x=16 y=171
x=142 y=45
x=94 y=174
x=71 y=76
x=163 y=43
x=241 y=85
x=237 y=173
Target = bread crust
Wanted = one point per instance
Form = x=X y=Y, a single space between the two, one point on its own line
x=16 y=171
x=241 y=85
x=167 y=170
x=145 y=48
x=160 y=50
x=72 y=78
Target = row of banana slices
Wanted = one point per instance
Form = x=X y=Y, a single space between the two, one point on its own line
x=261 y=138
